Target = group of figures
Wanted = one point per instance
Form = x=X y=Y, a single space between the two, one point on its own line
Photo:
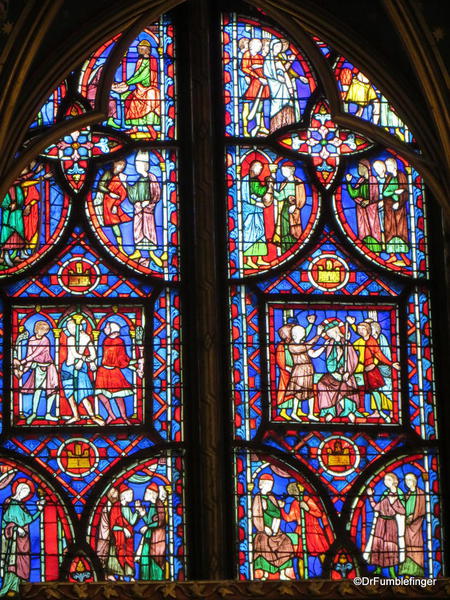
x=127 y=204
x=343 y=372
x=74 y=367
x=267 y=75
x=135 y=529
x=26 y=221
x=396 y=538
x=268 y=79
x=289 y=542
x=291 y=533
x=273 y=197
x=26 y=504
x=116 y=543
x=380 y=193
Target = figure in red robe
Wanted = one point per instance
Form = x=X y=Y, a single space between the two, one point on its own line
x=110 y=382
x=258 y=90
x=108 y=201
x=122 y=520
x=313 y=537
x=142 y=106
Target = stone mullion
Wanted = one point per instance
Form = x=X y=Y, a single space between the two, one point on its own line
x=206 y=307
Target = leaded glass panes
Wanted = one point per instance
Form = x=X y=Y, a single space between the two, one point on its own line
x=332 y=373
x=93 y=342
x=334 y=436
x=133 y=206
x=267 y=80
x=272 y=208
x=33 y=214
x=363 y=99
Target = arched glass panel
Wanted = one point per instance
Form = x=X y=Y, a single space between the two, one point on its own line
x=332 y=374
x=92 y=346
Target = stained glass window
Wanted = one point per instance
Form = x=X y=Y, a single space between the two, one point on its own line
x=92 y=414
x=332 y=371
x=332 y=445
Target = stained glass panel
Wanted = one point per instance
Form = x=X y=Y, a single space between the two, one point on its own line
x=92 y=72
x=334 y=363
x=325 y=142
x=395 y=519
x=267 y=80
x=420 y=366
x=36 y=529
x=283 y=528
x=329 y=269
x=324 y=345
x=77 y=150
x=79 y=271
x=363 y=99
x=336 y=458
x=167 y=377
x=93 y=345
x=34 y=212
x=77 y=364
x=76 y=461
x=1 y=365
x=380 y=205
x=272 y=209
x=133 y=209
x=246 y=373
x=149 y=495
x=142 y=96
x=49 y=110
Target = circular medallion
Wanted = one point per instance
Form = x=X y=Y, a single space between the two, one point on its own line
x=328 y=272
x=77 y=457
x=338 y=455
x=79 y=276
x=34 y=213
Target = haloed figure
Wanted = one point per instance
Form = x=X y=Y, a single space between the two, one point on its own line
x=16 y=542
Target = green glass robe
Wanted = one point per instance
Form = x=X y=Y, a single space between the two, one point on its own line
x=15 y=567
x=149 y=568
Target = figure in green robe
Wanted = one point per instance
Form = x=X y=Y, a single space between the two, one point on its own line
x=414 y=543
x=151 y=554
x=256 y=195
x=273 y=550
x=16 y=548
x=12 y=228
